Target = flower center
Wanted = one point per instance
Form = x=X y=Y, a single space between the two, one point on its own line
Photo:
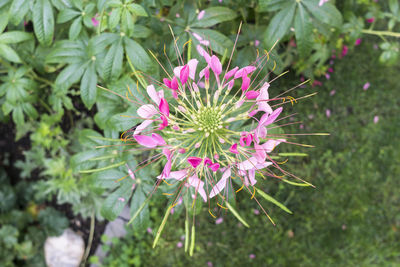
x=209 y=119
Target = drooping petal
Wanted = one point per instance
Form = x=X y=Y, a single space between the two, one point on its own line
x=203 y=53
x=184 y=74
x=262 y=99
x=214 y=167
x=231 y=73
x=260 y=153
x=247 y=70
x=192 y=68
x=233 y=149
x=194 y=161
x=142 y=126
x=146 y=141
x=216 y=65
x=252 y=176
x=151 y=91
x=177 y=175
x=164 y=107
x=198 y=185
x=248 y=164
x=164 y=123
x=245 y=83
x=252 y=94
x=147 y=111
x=271 y=144
x=274 y=115
x=221 y=183
x=158 y=139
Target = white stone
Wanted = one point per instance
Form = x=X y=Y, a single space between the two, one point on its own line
x=65 y=250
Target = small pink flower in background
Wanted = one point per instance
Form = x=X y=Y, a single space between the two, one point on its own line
x=376 y=119
x=358 y=41
x=252 y=256
x=344 y=227
x=177 y=15
x=301 y=126
x=328 y=113
x=256 y=43
x=311 y=116
x=331 y=62
x=366 y=86
x=219 y=220
x=209 y=264
x=179 y=245
x=345 y=50
x=95 y=22
x=121 y=199
x=317 y=83
x=332 y=93
x=330 y=70
x=370 y=20
x=182 y=237
x=201 y=14
x=256 y=212
x=327 y=76
x=290 y=233
x=149 y=230
x=376 y=46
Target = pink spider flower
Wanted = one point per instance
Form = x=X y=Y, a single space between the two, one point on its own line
x=208 y=127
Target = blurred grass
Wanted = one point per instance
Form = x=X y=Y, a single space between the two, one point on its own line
x=352 y=218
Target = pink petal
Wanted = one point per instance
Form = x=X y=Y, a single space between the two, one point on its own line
x=231 y=73
x=247 y=70
x=151 y=91
x=142 y=126
x=163 y=124
x=214 y=167
x=146 y=141
x=221 y=183
x=260 y=153
x=164 y=107
x=207 y=161
x=194 y=161
x=158 y=139
x=201 y=15
x=216 y=65
x=203 y=53
x=252 y=94
x=271 y=144
x=245 y=83
x=147 y=111
x=233 y=149
x=184 y=74
x=192 y=68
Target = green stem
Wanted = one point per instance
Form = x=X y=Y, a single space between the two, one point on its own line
x=387 y=33
x=90 y=240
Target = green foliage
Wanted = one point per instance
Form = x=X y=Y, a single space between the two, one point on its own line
x=351 y=218
x=24 y=224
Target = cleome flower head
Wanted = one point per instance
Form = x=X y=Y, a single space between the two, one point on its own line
x=213 y=129
x=208 y=126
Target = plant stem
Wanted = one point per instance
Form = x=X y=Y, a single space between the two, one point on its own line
x=90 y=240
x=387 y=33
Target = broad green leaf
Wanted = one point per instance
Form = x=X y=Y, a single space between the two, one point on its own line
x=75 y=28
x=113 y=61
x=121 y=122
x=70 y=75
x=279 y=25
x=143 y=217
x=114 y=18
x=214 y=15
x=9 y=53
x=394 y=6
x=303 y=31
x=30 y=110
x=272 y=200
x=327 y=13
x=109 y=178
x=67 y=52
x=43 y=21
x=13 y=37
x=270 y=5
x=140 y=31
x=138 y=56
x=66 y=15
x=18 y=116
x=116 y=201
x=80 y=160
x=219 y=42
x=18 y=10
x=138 y=10
x=3 y=22
x=62 y=4
x=127 y=23
x=88 y=86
